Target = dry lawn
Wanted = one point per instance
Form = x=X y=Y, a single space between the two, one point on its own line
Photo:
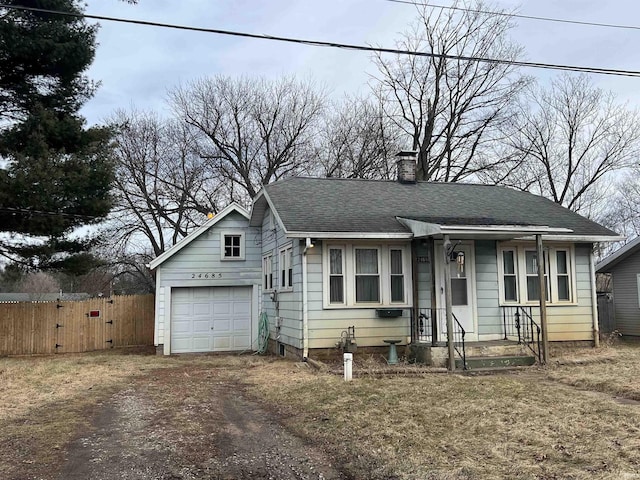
x=532 y=424
x=560 y=422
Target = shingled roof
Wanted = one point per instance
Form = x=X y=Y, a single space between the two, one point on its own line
x=368 y=206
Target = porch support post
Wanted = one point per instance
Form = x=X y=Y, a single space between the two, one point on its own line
x=415 y=301
x=435 y=327
x=447 y=296
x=543 y=301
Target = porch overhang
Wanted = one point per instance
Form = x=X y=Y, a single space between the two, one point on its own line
x=421 y=229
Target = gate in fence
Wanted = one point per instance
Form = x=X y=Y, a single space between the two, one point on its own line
x=28 y=328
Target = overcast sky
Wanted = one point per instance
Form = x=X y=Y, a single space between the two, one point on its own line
x=136 y=65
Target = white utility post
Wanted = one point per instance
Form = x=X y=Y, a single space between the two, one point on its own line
x=348 y=366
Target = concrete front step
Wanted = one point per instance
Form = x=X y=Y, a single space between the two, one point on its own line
x=511 y=349
x=497 y=362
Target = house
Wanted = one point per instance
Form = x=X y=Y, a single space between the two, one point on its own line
x=317 y=256
x=624 y=267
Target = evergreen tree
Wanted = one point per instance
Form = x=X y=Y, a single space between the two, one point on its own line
x=55 y=174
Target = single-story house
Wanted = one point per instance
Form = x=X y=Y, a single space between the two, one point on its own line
x=395 y=260
x=624 y=267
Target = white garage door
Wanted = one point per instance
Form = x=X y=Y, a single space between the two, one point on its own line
x=210 y=319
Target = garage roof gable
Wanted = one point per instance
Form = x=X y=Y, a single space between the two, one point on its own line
x=233 y=207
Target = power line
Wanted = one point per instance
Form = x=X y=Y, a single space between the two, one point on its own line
x=345 y=46
x=516 y=15
x=31 y=212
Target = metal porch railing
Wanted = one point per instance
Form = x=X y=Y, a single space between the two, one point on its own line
x=519 y=325
x=431 y=327
x=458 y=341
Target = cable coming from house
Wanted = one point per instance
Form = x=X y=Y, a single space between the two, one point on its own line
x=345 y=46
x=517 y=15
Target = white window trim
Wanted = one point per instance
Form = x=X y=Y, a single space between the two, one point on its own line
x=501 y=274
x=384 y=265
x=521 y=276
x=267 y=260
x=327 y=274
x=404 y=276
x=236 y=233
x=286 y=287
x=379 y=256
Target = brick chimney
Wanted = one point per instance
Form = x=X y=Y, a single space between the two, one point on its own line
x=407 y=166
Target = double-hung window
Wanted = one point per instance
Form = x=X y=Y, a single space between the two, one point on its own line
x=518 y=273
x=267 y=272
x=286 y=267
x=364 y=275
x=563 y=279
x=367 y=275
x=510 y=275
x=336 y=275
x=533 y=282
x=396 y=271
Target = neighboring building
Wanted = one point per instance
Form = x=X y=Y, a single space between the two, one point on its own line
x=42 y=297
x=320 y=255
x=624 y=267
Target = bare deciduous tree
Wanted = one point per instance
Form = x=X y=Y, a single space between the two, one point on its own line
x=357 y=140
x=36 y=284
x=568 y=143
x=162 y=189
x=251 y=131
x=450 y=105
x=622 y=212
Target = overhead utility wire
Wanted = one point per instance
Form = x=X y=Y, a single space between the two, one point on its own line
x=516 y=15
x=346 y=46
x=31 y=212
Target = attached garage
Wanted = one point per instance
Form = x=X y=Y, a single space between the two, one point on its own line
x=210 y=319
x=208 y=287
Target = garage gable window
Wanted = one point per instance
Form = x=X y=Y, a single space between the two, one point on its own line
x=232 y=244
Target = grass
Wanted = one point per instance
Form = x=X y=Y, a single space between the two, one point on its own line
x=557 y=422
x=46 y=400
x=533 y=424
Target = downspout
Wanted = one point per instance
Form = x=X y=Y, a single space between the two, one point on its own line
x=305 y=305
x=594 y=301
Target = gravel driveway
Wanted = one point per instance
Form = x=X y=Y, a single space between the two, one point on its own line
x=186 y=424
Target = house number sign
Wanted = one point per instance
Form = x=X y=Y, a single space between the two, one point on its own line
x=206 y=275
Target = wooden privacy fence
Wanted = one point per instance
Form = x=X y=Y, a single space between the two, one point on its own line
x=28 y=328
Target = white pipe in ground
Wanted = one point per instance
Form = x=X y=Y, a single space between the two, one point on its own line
x=348 y=366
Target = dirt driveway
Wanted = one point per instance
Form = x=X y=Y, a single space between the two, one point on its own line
x=184 y=423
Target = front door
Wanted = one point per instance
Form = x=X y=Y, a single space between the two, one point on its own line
x=462 y=268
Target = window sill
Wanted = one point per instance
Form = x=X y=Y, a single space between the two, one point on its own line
x=371 y=306
x=537 y=304
x=232 y=259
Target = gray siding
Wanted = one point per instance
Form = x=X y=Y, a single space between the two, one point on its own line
x=327 y=325
x=286 y=312
x=201 y=258
x=565 y=322
x=487 y=292
x=424 y=274
x=625 y=295
x=575 y=322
